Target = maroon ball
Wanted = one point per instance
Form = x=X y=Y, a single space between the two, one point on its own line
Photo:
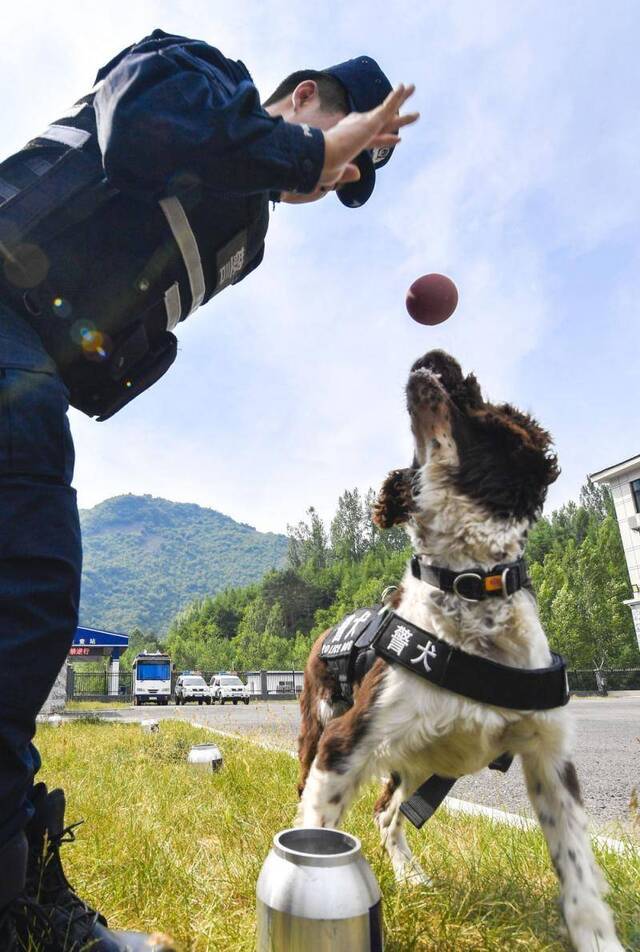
x=432 y=298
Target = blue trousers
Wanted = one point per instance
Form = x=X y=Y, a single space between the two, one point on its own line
x=40 y=553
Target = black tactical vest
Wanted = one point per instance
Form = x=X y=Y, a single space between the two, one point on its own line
x=104 y=277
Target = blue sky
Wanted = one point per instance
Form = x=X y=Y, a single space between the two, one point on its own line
x=520 y=182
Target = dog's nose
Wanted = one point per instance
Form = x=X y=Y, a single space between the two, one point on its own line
x=445 y=367
x=424 y=387
x=423 y=363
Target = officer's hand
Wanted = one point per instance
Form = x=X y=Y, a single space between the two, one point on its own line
x=303 y=198
x=363 y=130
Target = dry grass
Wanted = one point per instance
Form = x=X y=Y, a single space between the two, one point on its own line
x=166 y=846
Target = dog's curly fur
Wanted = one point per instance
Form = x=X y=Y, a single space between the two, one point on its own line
x=477 y=483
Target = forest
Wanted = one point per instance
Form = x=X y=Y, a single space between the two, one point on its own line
x=575 y=559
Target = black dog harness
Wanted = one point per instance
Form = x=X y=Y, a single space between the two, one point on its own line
x=351 y=648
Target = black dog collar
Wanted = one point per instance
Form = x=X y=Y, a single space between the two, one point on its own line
x=399 y=641
x=474 y=585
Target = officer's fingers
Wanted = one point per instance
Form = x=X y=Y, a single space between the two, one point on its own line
x=394 y=125
x=380 y=141
x=387 y=118
x=395 y=98
x=339 y=174
x=399 y=121
x=298 y=198
x=386 y=138
x=352 y=135
x=350 y=173
x=394 y=102
x=320 y=191
x=406 y=93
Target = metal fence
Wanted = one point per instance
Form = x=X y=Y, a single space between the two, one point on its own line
x=602 y=680
x=105 y=686
x=284 y=685
x=98 y=685
x=287 y=685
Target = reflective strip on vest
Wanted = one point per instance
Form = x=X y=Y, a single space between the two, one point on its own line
x=186 y=242
x=172 y=305
x=68 y=135
x=7 y=190
x=37 y=165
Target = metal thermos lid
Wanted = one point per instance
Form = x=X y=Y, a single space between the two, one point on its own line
x=316 y=846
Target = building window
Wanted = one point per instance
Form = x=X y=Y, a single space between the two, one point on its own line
x=635 y=489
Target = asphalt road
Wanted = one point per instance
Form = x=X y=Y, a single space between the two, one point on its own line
x=607 y=752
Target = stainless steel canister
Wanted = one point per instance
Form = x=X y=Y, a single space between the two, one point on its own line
x=317 y=893
x=207 y=756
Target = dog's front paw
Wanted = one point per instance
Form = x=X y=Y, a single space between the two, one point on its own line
x=591 y=929
x=308 y=816
x=587 y=941
x=410 y=873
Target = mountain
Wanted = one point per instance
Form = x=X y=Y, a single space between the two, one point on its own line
x=146 y=558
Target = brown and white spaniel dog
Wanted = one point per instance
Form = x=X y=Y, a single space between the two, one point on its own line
x=478 y=483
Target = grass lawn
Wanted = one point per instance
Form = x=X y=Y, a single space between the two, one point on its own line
x=106 y=705
x=167 y=846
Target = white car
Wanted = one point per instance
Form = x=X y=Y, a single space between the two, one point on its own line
x=229 y=687
x=192 y=687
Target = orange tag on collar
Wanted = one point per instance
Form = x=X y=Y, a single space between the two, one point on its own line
x=493 y=583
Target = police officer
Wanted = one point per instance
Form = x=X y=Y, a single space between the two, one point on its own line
x=145 y=199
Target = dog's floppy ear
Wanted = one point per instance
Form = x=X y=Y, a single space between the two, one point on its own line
x=395 y=501
x=533 y=454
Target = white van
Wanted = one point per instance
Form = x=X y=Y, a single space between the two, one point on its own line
x=229 y=687
x=192 y=687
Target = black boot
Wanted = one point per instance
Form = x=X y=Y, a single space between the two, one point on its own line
x=47 y=884
x=24 y=926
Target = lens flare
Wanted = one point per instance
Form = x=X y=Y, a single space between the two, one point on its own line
x=94 y=344
x=80 y=330
x=61 y=307
x=26 y=266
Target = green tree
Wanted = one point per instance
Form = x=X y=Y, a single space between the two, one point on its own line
x=297 y=597
x=308 y=544
x=139 y=641
x=350 y=531
x=581 y=580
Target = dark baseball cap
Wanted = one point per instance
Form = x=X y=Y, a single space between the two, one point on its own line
x=366 y=87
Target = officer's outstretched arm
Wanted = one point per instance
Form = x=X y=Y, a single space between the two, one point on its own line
x=165 y=117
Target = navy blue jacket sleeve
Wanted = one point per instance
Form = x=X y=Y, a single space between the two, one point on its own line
x=167 y=115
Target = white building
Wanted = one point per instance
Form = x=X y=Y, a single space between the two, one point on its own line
x=623 y=480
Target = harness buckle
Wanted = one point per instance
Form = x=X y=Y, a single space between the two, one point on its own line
x=478 y=579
